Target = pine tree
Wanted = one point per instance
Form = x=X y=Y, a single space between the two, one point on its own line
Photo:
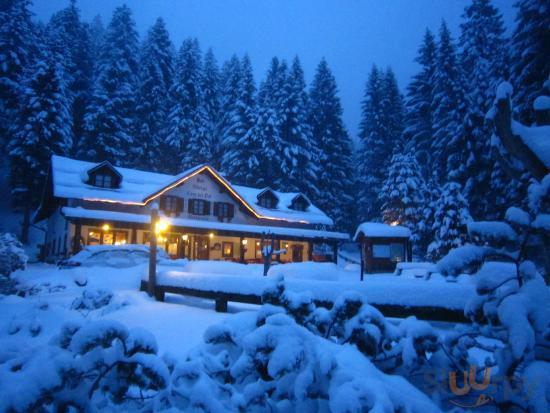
x=451 y=217
x=240 y=160
x=185 y=99
x=379 y=134
x=267 y=129
x=230 y=78
x=96 y=32
x=483 y=61
x=16 y=53
x=210 y=86
x=450 y=153
x=156 y=75
x=299 y=156
x=44 y=129
x=418 y=131
x=402 y=195
x=530 y=48
x=335 y=179
x=71 y=40
x=109 y=122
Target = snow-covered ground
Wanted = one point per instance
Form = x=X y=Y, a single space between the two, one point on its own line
x=178 y=324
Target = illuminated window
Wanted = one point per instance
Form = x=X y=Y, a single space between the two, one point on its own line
x=227 y=250
x=98 y=236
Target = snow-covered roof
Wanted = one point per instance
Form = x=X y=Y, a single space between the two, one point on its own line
x=379 y=230
x=80 y=212
x=69 y=177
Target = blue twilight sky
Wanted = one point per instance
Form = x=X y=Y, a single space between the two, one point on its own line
x=351 y=34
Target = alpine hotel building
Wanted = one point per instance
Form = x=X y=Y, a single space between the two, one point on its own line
x=202 y=215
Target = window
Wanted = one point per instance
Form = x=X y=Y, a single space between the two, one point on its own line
x=267 y=201
x=299 y=205
x=397 y=252
x=101 y=237
x=171 y=204
x=199 y=207
x=381 y=251
x=223 y=210
x=103 y=181
x=227 y=250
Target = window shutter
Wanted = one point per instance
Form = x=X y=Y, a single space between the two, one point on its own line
x=162 y=203
x=206 y=210
x=179 y=205
x=230 y=211
x=216 y=209
x=190 y=205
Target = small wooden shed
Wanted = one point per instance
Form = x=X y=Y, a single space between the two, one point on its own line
x=382 y=246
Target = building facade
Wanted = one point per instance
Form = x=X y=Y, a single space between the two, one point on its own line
x=202 y=215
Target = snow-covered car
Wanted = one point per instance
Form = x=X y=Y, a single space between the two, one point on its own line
x=119 y=256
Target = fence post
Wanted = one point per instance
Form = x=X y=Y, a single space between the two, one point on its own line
x=153 y=251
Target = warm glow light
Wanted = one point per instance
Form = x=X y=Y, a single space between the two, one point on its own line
x=394 y=223
x=258 y=243
x=211 y=235
x=105 y=227
x=245 y=241
x=185 y=237
x=161 y=226
x=286 y=245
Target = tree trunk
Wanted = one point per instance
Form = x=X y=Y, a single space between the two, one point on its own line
x=26 y=224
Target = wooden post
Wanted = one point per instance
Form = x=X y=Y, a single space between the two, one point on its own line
x=153 y=251
x=310 y=251
x=335 y=252
x=241 y=249
x=77 y=237
x=134 y=236
x=361 y=259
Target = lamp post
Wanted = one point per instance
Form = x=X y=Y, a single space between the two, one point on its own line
x=153 y=250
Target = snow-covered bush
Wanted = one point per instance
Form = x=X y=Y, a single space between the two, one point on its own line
x=12 y=254
x=91 y=367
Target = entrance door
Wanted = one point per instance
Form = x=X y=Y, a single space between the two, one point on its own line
x=297 y=253
x=201 y=250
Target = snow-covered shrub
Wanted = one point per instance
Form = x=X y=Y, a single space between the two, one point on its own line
x=91 y=367
x=92 y=300
x=12 y=254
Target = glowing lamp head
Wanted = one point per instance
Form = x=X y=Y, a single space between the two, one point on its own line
x=211 y=235
x=185 y=237
x=161 y=226
x=244 y=241
x=105 y=227
x=394 y=223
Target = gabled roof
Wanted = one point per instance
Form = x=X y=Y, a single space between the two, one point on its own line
x=380 y=230
x=141 y=187
x=104 y=164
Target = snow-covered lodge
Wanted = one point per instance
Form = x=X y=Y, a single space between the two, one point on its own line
x=202 y=215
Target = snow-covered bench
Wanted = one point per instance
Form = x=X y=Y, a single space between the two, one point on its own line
x=415 y=269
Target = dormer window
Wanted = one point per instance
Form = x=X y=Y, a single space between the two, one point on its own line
x=267 y=199
x=300 y=203
x=104 y=175
x=103 y=181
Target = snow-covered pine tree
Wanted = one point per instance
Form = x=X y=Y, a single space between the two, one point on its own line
x=210 y=87
x=418 y=131
x=69 y=38
x=335 y=178
x=393 y=110
x=96 y=32
x=230 y=77
x=379 y=134
x=16 y=39
x=267 y=129
x=402 y=195
x=44 y=129
x=450 y=153
x=156 y=72
x=240 y=160
x=184 y=101
x=109 y=121
x=451 y=217
x=483 y=61
x=299 y=158
x=530 y=48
